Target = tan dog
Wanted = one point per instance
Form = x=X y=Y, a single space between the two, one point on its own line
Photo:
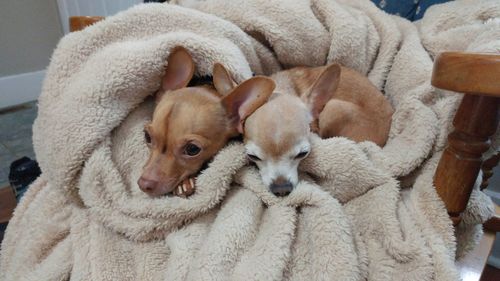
x=330 y=101
x=191 y=124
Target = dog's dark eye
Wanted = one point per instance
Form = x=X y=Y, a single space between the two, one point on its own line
x=252 y=157
x=147 y=137
x=191 y=149
x=301 y=155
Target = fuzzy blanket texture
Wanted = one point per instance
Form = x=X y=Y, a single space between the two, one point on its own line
x=369 y=214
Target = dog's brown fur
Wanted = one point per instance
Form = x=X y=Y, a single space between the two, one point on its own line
x=343 y=102
x=200 y=116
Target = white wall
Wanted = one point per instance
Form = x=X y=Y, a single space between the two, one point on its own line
x=29 y=32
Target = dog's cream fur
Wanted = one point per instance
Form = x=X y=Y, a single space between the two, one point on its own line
x=334 y=101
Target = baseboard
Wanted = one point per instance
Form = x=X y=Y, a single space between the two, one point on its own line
x=20 y=88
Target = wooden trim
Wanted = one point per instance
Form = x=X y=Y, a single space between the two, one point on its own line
x=7 y=203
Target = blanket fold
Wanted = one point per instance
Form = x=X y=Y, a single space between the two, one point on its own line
x=359 y=212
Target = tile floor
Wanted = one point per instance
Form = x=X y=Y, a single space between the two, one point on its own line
x=15 y=136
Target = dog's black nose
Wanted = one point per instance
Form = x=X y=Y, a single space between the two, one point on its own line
x=281 y=187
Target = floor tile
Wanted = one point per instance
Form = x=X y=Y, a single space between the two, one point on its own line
x=27 y=152
x=4 y=178
x=15 y=137
x=17 y=123
x=19 y=144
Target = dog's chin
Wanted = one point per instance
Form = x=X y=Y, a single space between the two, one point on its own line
x=163 y=192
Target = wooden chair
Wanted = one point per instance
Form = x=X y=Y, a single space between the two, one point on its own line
x=478 y=77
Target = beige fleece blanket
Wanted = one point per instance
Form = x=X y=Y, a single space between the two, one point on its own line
x=359 y=212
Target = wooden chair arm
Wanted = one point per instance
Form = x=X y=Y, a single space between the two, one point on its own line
x=77 y=23
x=475 y=74
x=478 y=76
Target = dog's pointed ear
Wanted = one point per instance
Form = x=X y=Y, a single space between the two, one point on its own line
x=223 y=82
x=180 y=70
x=322 y=90
x=247 y=97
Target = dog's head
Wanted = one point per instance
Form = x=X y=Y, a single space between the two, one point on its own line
x=191 y=124
x=277 y=135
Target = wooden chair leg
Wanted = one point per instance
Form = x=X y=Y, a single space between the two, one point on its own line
x=475 y=122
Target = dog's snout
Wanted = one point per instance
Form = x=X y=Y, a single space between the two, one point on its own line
x=281 y=187
x=146 y=185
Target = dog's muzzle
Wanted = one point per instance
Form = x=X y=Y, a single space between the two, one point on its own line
x=281 y=187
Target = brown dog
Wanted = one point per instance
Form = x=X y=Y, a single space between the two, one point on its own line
x=191 y=124
x=330 y=101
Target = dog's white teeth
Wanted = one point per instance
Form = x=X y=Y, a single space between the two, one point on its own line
x=191 y=182
x=184 y=187
x=179 y=189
